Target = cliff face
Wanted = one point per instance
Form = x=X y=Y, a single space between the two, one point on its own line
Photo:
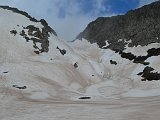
x=140 y=27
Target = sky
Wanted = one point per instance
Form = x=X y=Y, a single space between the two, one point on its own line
x=70 y=17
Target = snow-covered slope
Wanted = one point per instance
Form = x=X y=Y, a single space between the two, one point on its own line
x=133 y=72
x=36 y=65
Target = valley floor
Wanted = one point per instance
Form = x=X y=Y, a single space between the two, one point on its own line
x=111 y=109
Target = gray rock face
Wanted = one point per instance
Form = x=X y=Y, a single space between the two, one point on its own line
x=37 y=37
x=141 y=26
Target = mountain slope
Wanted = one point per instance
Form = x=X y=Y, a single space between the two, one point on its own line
x=141 y=26
x=130 y=45
x=35 y=64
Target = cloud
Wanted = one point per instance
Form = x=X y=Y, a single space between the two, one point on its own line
x=145 y=2
x=67 y=17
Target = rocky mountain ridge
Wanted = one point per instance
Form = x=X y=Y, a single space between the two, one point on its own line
x=136 y=27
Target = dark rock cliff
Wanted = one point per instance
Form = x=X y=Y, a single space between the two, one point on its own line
x=141 y=26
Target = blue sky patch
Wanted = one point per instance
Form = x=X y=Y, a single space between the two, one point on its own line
x=122 y=6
